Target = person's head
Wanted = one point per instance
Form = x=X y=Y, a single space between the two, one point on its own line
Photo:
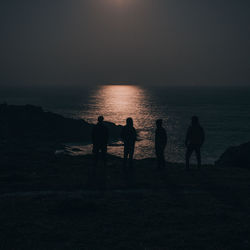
x=100 y=119
x=129 y=122
x=195 y=120
x=158 y=123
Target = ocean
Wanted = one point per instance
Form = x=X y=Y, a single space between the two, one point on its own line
x=224 y=113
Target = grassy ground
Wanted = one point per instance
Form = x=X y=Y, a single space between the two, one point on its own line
x=49 y=202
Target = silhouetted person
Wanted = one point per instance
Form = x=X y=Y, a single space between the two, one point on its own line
x=128 y=136
x=160 y=143
x=194 y=140
x=100 y=138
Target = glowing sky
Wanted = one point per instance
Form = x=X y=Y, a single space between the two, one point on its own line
x=145 y=41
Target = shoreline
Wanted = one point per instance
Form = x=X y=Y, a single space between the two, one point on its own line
x=53 y=201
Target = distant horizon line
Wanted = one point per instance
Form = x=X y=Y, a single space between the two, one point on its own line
x=102 y=83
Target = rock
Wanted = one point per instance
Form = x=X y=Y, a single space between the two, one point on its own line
x=31 y=124
x=238 y=156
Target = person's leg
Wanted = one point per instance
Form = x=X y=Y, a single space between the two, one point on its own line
x=158 y=158
x=93 y=170
x=125 y=157
x=95 y=155
x=131 y=155
x=163 y=161
x=161 y=158
x=198 y=156
x=189 y=152
x=103 y=170
x=104 y=155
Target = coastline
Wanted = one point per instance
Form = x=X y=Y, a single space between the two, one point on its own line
x=51 y=201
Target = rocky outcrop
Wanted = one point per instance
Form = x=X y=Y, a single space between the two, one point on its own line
x=238 y=156
x=32 y=123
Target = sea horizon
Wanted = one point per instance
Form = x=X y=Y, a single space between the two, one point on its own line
x=223 y=113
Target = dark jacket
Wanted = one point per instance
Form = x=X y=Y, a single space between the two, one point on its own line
x=195 y=136
x=160 y=138
x=128 y=135
x=100 y=135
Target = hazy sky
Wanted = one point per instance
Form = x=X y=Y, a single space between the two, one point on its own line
x=170 y=42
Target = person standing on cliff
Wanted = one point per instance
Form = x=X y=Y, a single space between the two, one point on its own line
x=160 y=144
x=128 y=136
x=100 y=136
x=195 y=138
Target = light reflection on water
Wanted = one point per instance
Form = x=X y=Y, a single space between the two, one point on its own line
x=116 y=103
x=223 y=112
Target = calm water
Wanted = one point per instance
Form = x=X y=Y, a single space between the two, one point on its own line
x=224 y=113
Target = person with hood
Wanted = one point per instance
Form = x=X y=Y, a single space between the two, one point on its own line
x=195 y=138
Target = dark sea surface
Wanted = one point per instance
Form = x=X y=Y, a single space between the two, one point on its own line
x=224 y=113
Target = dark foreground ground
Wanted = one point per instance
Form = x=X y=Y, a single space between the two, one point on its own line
x=49 y=202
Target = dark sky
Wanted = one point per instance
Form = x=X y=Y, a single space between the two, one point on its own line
x=172 y=42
